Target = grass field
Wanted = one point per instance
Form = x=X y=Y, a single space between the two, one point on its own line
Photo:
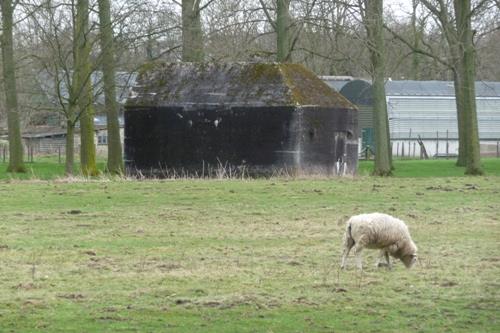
x=244 y=256
x=47 y=168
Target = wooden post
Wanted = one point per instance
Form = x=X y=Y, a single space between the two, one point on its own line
x=447 y=145
x=409 y=144
x=437 y=143
x=498 y=149
x=414 y=149
x=402 y=150
x=397 y=149
x=59 y=153
x=3 y=154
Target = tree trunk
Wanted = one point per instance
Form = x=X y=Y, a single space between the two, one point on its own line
x=16 y=163
x=192 y=35
x=466 y=70
x=374 y=27
x=70 y=148
x=415 y=63
x=283 y=31
x=462 y=131
x=115 y=159
x=84 y=89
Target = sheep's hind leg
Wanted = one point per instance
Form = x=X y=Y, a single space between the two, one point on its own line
x=348 y=244
x=357 y=251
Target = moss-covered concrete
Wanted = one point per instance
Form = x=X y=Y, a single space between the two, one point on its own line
x=243 y=84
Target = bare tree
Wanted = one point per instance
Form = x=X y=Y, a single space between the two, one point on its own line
x=192 y=34
x=82 y=89
x=115 y=159
x=16 y=163
x=457 y=29
x=372 y=14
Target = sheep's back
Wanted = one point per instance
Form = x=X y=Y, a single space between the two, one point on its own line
x=379 y=230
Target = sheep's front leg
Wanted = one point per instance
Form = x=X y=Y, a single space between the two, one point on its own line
x=387 y=259
x=383 y=255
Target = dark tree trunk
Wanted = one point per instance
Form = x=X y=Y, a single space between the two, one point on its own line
x=84 y=89
x=466 y=76
x=16 y=163
x=283 y=31
x=373 y=22
x=115 y=159
x=192 y=35
x=70 y=148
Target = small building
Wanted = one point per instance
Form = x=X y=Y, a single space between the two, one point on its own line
x=426 y=110
x=45 y=140
x=200 y=119
x=56 y=91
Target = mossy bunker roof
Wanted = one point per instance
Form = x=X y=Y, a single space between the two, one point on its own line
x=232 y=84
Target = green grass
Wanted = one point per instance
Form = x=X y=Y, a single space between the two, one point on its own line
x=44 y=168
x=244 y=256
x=431 y=168
x=47 y=168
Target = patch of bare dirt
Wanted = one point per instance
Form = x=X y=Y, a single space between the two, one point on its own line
x=230 y=302
x=305 y=301
x=33 y=303
x=167 y=267
x=448 y=284
x=440 y=188
x=26 y=286
x=71 y=296
x=112 y=318
x=491 y=259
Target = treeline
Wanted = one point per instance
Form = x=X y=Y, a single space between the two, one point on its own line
x=65 y=41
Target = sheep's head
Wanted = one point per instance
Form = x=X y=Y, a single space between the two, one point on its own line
x=409 y=260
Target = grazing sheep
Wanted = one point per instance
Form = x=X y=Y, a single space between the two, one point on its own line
x=379 y=231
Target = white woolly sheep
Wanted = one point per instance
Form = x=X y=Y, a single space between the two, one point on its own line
x=379 y=231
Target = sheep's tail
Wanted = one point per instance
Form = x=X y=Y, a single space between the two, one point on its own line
x=348 y=240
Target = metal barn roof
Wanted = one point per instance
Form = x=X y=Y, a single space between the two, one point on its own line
x=48 y=82
x=420 y=88
x=437 y=88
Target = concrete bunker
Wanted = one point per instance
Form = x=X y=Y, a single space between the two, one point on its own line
x=254 y=118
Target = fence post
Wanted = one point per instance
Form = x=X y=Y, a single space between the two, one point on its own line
x=414 y=143
x=59 y=153
x=4 y=152
x=498 y=148
x=447 y=145
x=437 y=143
x=397 y=149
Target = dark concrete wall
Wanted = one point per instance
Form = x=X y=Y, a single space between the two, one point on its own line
x=328 y=141
x=207 y=137
x=262 y=139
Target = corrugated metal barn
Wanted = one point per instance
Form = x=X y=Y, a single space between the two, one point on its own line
x=427 y=109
